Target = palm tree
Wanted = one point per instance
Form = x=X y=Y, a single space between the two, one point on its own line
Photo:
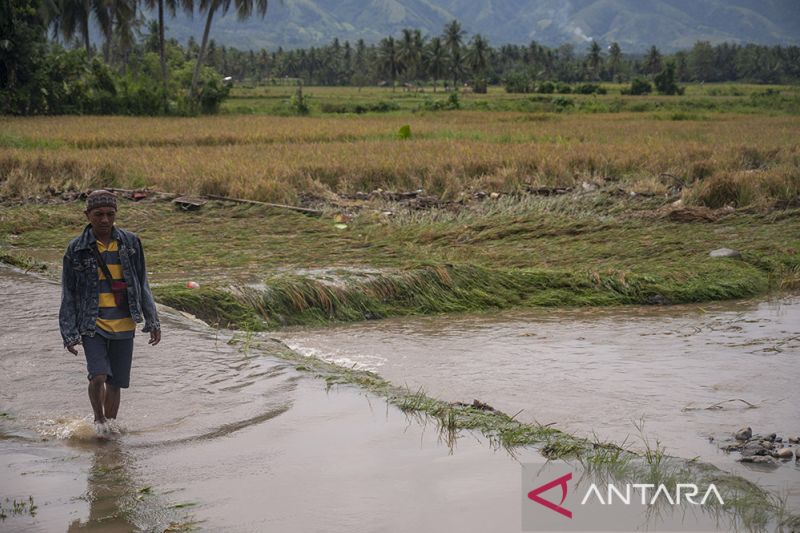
x=478 y=55
x=615 y=57
x=121 y=15
x=73 y=17
x=595 y=60
x=435 y=59
x=171 y=5
x=244 y=9
x=408 y=56
x=453 y=39
x=387 y=58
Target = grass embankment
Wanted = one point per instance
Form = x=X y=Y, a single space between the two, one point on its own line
x=746 y=504
x=262 y=268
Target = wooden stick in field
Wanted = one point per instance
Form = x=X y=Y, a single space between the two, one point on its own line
x=304 y=210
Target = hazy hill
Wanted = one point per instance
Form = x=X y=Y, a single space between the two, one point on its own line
x=635 y=24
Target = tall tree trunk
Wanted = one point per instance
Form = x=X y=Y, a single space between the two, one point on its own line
x=161 y=52
x=201 y=55
x=85 y=31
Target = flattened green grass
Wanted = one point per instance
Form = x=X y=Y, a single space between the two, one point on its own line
x=287 y=268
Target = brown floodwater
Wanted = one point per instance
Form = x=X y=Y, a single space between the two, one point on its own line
x=594 y=371
x=226 y=440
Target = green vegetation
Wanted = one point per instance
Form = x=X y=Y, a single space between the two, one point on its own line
x=573 y=250
x=18 y=508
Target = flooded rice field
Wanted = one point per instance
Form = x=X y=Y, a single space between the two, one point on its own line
x=220 y=439
x=604 y=372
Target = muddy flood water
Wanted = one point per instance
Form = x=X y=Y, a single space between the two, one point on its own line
x=604 y=371
x=221 y=439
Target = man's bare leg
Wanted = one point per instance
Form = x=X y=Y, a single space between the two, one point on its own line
x=111 y=401
x=96 y=390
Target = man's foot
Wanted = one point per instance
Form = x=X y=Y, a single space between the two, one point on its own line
x=113 y=426
x=101 y=428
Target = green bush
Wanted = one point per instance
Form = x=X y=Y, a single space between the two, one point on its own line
x=589 y=88
x=638 y=87
x=563 y=88
x=518 y=82
x=546 y=87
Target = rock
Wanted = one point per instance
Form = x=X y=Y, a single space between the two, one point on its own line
x=477 y=404
x=794 y=440
x=766 y=444
x=725 y=252
x=743 y=434
x=494 y=195
x=784 y=453
x=753 y=448
x=658 y=299
x=771 y=437
x=589 y=186
x=758 y=459
x=778 y=439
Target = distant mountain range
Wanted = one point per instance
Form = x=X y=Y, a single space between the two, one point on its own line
x=635 y=24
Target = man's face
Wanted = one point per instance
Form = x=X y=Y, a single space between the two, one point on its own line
x=102 y=219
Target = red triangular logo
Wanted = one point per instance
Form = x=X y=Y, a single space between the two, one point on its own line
x=562 y=481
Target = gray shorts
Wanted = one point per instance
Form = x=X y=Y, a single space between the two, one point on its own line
x=112 y=357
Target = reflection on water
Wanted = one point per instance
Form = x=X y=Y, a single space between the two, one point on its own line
x=109 y=488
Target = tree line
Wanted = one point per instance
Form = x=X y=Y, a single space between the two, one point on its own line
x=49 y=64
x=453 y=59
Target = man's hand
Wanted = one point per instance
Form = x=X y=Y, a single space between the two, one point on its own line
x=155 y=337
x=71 y=348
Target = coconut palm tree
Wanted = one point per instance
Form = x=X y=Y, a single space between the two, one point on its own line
x=244 y=9
x=121 y=15
x=387 y=58
x=172 y=7
x=453 y=40
x=73 y=18
x=435 y=59
x=478 y=55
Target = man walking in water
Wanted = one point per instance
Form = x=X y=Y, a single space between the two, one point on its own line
x=104 y=293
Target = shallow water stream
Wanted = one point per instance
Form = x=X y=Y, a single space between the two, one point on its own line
x=603 y=371
x=225 y=440
x=222 y=440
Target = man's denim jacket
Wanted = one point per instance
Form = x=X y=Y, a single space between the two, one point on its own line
x=79 y=279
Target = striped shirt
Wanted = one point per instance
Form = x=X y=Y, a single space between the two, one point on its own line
x=112 y=321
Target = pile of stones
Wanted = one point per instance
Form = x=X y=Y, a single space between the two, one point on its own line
x=763 y=449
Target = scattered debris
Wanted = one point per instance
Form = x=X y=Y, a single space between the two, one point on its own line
x=547 y=191
x=304 y=210
x=725 y=252
x=189 y=204
x=720 y=406
x=476 y=404
x=681 y=213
